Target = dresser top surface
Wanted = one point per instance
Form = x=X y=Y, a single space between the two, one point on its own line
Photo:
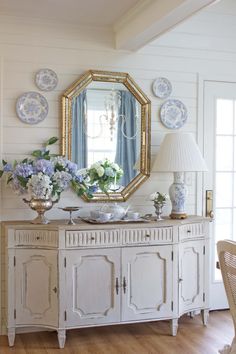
x=82 y=225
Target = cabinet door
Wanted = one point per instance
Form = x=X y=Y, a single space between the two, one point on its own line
x=92 y=283
x=191 y=276
x=36 y=287
x=147 y=279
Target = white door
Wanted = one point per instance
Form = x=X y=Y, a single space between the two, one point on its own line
x=93 y=286
x=36 y=289
x=220 y=155
x=191 y=276
x=147 y=282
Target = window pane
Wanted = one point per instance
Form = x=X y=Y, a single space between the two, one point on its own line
x=224 y=192
x=224 y=116
x=223 y=224
x=224 y=153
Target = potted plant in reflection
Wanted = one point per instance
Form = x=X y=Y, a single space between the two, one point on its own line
x=105 y=175
x=159 y=200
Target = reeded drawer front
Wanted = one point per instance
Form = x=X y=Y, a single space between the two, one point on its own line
x=38 y=238
x=92 y=238
x=152 y=236
x=191 y=231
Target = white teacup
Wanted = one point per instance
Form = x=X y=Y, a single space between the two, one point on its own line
x=104 y=216
x=133 y=215
x=95 y=214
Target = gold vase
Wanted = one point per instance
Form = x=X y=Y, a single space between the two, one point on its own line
x=40 y=206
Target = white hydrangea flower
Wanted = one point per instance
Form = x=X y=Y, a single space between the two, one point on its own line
x=40 y=186
x=100 y=171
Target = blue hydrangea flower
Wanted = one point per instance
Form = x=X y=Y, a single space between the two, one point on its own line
x=24 y=170
x=72 y=167
x=7 y=167
x=44 y=166
x=109 y=172
x=93 y=189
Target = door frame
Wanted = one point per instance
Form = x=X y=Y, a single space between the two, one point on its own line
x=200 y=193
x=201 y=78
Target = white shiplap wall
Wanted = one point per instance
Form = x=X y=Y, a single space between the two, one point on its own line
x=203 y=44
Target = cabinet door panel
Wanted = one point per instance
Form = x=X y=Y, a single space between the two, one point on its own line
x=92 y=278
x=191 y=277
x=147 y=282
x=36 y=287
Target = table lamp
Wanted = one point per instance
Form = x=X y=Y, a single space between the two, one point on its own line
x=179 y=153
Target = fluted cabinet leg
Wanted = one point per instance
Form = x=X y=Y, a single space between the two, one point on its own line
x=205 y=315
x=11 y=336
x=61 y=335
x=174 y=326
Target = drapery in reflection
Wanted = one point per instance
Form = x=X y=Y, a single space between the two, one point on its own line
x=126 y=147
x=98 y=133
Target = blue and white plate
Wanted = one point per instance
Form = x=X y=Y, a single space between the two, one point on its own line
x=162 y=87
x=173 y=114
x=32 y=107
x=46 y=79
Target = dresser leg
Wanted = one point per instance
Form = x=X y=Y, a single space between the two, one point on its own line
x=11 y=336
x=174 y=326
x=61 y=335
x=205 y=315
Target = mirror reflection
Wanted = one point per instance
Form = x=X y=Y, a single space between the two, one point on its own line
x=106 y=123
x=105 y=115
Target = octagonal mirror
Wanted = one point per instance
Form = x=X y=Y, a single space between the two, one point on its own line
x=105 y=115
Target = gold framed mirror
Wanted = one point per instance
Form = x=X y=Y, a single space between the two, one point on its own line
x=106 y=115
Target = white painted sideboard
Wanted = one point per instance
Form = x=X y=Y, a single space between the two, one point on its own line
x=63 y=277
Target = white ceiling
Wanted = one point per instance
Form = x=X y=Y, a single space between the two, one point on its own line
x=80 y=12
x=133 y=23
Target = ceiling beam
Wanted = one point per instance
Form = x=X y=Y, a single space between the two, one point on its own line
x=151 y=18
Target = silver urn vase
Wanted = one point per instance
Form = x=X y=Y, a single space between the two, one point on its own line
x=40 y=206
x=158 y=210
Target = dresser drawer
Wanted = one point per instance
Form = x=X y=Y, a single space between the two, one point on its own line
x=147 y=235
x=98 y=238
x=189 y=231
x=37 y=238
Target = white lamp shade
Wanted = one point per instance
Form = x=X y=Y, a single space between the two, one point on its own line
x=179 y=153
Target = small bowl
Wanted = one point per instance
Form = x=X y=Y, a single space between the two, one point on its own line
x=133 y=215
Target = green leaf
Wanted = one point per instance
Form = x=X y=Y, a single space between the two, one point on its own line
x=37 y=153
x=25 y=160
x=10 y=178
x=4 y=162
x=23 y=181
x=52 y=141
x=1 y=173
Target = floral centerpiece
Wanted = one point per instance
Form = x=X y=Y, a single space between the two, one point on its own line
x=44 y=176
x=104 y=174
x=159 y=200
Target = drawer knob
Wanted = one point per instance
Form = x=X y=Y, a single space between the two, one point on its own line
x=148 y=236
x=38 y=238
x=92 y=238
x=189 y=231
x=180 y=280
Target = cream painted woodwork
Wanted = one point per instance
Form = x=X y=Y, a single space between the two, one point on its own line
x=70 y=276
x=147 y=282
x=91 y=277
x=191 y=275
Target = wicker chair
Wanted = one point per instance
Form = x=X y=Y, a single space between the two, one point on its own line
x=227 y=259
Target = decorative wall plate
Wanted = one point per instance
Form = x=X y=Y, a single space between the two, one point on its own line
x=46 y=79
x=32 y=107
x=162 y=87
x=173 y=114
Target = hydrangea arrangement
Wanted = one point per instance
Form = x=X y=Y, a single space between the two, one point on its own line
x=159 y=198
x=104 y=173
x=45 y=175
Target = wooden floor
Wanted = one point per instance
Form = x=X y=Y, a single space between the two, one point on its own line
x=145 y=338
